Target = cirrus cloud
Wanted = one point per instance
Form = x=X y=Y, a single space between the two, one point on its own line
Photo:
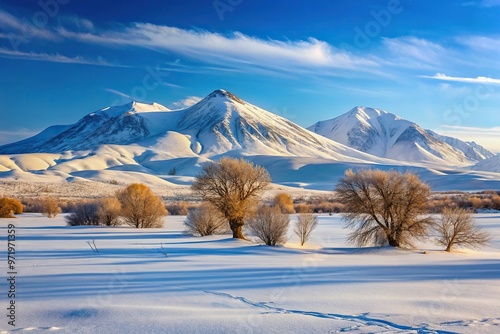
x=478 y=80
x=235 y=47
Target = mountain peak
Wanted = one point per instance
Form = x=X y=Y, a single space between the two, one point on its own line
x=367 y=113
x=145 y=107
x=386 y=135
x=132 y=106
x=218 y=93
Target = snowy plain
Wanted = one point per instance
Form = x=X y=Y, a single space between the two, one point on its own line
x=163 y=281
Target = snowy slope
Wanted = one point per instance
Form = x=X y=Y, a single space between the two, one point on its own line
x=471 y=149
x=111 y=125
x=490 y=165
x=30 y=144
x=386 y=135
x=222 y=123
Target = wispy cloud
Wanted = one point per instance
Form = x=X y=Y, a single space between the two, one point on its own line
x=185 y=103
x=121 y=94
x=411 y=51
x=479 y=80
x=485 y=43
x=233 y=51
x=487 y=137
x=55 y=58
x=168 y=84
x=236 y=47
x=22 y=30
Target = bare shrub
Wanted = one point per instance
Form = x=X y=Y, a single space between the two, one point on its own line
x=9 y=207
x=303 y=208
x=284 y=202
x=269 y=225
x=108 y=211
x=306 y=223
x=384 y=207
x=231 y=186
x=326 y=207
x=205 y=220
x=178 y=209
x=32 y=204
x=141 y=207
x=84 y=213
x=457 y=228
x=496 y=202
x=475 y=202
x=50 y=207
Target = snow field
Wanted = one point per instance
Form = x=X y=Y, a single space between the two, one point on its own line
x=216 y=284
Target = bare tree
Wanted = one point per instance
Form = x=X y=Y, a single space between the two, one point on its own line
x=205 y=220
x=141 y=207
x=231 y=186
x=269 y=225
x=384 y=207
x=50 y=207
x=457 y=228
x=284 y=201
x=84 y=213
x=109 y=211
x=306 y=223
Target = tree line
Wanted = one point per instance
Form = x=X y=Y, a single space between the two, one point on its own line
x=382 y=207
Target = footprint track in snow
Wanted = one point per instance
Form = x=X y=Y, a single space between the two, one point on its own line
x=362 y=319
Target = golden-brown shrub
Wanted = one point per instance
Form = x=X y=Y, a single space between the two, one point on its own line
x=50 y=207
x=284 y=202
x=496 y=202
x=108 y=211
x=303 y=208
x=10 y=206
x=476 y=202
x=141 y=207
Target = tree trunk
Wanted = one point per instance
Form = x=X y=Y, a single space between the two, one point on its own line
x=237 y=228
x=392 y=241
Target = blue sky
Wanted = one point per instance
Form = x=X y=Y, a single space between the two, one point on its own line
x=436 y=63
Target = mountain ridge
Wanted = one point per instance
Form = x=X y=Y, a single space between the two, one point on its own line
x=387 y=135
x=141 y=142
x=218 y=124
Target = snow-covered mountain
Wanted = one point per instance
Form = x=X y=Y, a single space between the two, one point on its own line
x=491 y=164
x=30 y=144
x=148 y=143
x=112 y=125
x=386 y=135
x=471 y=149
x=219 y=124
